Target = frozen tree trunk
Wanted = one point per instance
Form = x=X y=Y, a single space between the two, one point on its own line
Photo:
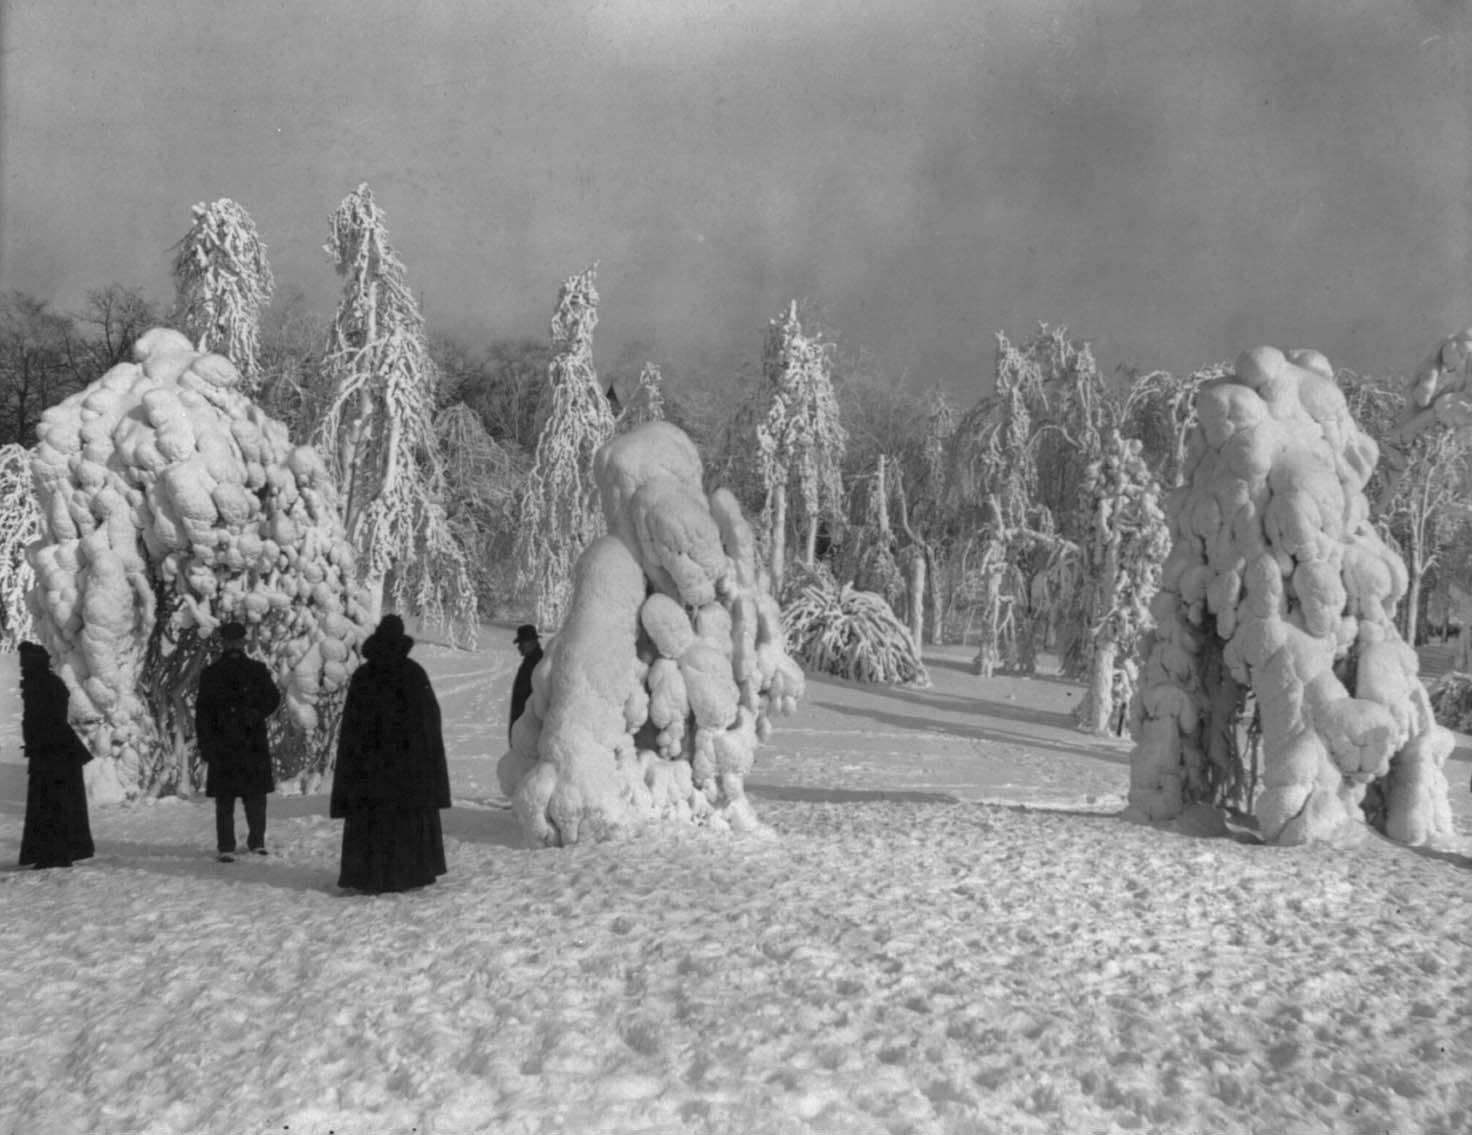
x=988 y=655
x=1414 y=569
x=1099 y=707
x=779 y=537
x=917 y=596
x=810 y=544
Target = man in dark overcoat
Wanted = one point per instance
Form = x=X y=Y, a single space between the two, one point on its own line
x=236 y=695
x=521 y=688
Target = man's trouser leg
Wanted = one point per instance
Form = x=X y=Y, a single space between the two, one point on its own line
x=225 y=823
x=255 y=821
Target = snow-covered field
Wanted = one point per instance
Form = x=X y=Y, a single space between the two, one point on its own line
x=947 y=931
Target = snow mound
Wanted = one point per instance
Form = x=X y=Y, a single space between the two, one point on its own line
x=1279 y=593
x=650 y=701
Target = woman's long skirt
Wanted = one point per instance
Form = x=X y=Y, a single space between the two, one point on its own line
x=390 y=848
x=57 y=831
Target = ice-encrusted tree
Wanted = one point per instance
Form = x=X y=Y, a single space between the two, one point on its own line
x=799 y=439
x=992 y=486
x=20 y=526
x=646 y=403
x=1279 y=595
x=1159 y=410
x=377 y=432
x=925 y=514
x=1125 y=542
x=560 y=513
x=652 y=698
x=170 y=502
x=483 y=478
x=222 y=282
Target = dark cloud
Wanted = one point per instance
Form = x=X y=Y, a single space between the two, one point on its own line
x=1174 y=181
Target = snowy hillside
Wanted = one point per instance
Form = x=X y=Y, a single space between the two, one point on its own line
x=947 y=931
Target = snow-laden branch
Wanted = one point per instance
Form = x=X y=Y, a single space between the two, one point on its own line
x=20 y=527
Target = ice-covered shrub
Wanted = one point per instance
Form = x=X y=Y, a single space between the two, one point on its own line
x=1451 y=700
x=650 y=701
x=1278 y=584
x=849 y=633
x=170 y=502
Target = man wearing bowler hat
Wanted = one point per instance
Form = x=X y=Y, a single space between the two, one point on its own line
x=531 y=653
x=236 y=695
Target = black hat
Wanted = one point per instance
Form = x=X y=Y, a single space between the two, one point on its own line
x=525 y=633
x=390 y=628
x=232 y=632
x=32 y=653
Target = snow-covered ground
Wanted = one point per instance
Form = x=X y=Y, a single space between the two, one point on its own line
x=948 y=931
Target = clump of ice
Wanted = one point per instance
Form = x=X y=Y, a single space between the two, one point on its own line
x=1440 y=392
x=170 y=502
x=653 y=696
x=1277 y=582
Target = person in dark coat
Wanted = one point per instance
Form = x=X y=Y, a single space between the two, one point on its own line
x=236 y=695
x=56 y=831
x=521 y=689
x=391 y=778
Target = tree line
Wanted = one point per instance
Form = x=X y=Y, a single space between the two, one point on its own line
x=1030 y=520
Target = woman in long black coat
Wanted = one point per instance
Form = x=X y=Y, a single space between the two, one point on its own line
x=56 y=831
x=391 y=777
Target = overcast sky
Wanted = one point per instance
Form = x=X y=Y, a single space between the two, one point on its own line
x=1175 y=180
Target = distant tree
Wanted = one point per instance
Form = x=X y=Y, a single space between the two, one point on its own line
x=992 y=485
x=292 y=389
x=1019 y=464
x=561 y=513
x=223 y=282
x=377 y=432
x=111 y=320
x=42 y=357
x=1159 y=410
x=799 y=439
x=483 y=479
x=1422 y=507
